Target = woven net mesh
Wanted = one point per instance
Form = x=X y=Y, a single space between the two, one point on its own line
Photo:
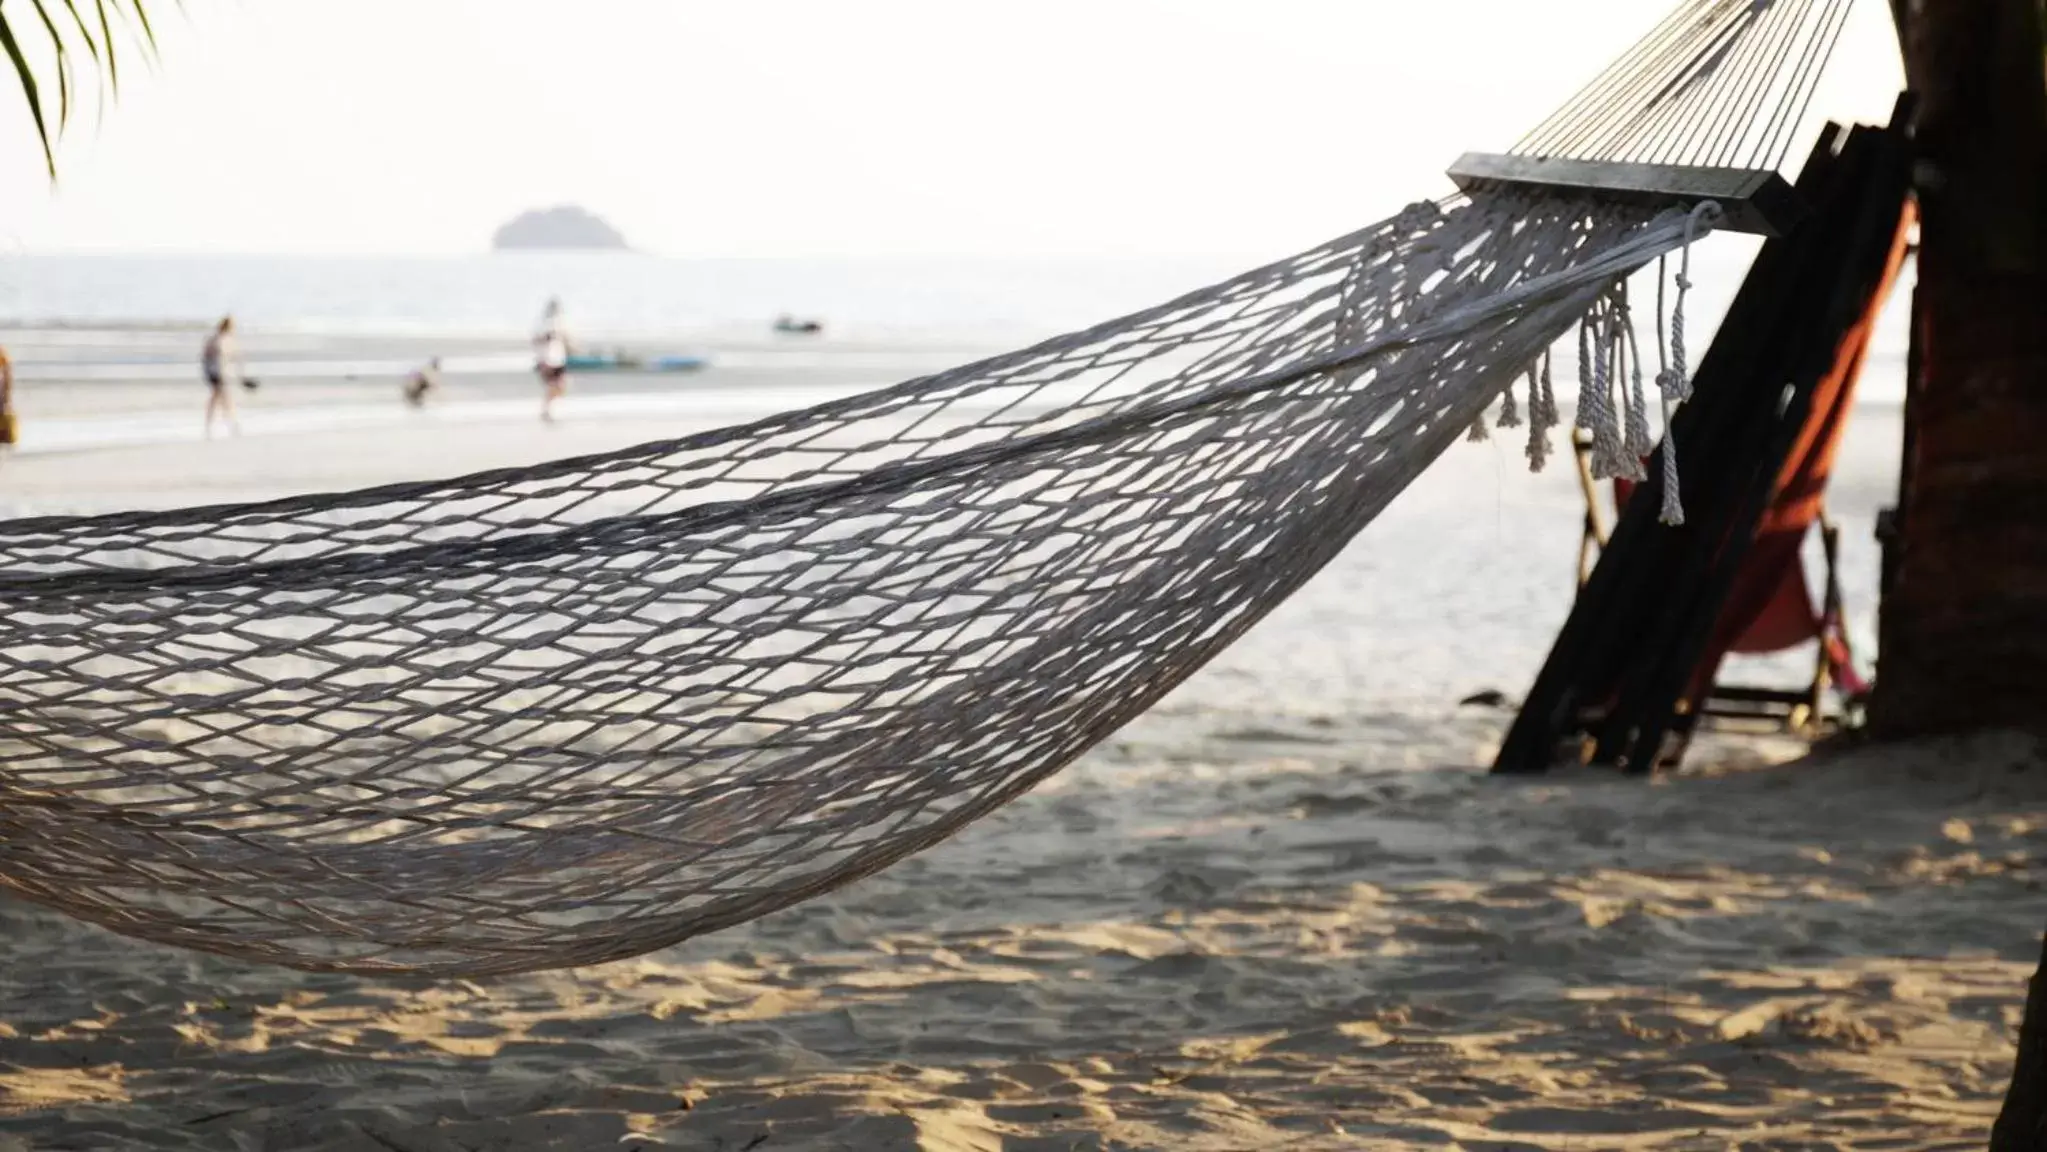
x=572 y=713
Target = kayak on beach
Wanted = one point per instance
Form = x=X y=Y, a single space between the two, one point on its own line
x=620 y=361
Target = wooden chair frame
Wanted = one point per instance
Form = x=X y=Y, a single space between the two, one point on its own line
x=1799 y=711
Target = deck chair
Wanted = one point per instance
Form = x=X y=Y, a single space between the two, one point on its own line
x=1772 y=610
x=1771 y=606
x=1636 y=664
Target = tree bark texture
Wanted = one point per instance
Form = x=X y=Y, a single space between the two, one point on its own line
x=1964 y=625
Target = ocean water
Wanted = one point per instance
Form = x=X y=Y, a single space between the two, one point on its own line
x=626 y=296
x=607 y=295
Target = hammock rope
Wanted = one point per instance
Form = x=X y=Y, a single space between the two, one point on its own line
x=567 y=714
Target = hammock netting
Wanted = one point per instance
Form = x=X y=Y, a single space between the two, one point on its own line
x=567 y=714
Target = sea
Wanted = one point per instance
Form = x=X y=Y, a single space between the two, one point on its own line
x=866 y=304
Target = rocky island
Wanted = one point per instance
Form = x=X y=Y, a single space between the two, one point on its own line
x=562 y=227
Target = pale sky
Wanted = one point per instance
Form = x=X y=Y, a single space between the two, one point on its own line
x=819 y=127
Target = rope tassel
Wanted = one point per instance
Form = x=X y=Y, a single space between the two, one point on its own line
x=1673 y=511
x=1673 y=377
x=1542 y=414
x=1674 y=380
x=1639 y=442
x=1599 y=415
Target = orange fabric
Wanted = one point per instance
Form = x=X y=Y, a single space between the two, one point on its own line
x=1770 y=607
x=1785 y=618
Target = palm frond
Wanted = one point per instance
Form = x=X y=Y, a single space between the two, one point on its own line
x=97 y=27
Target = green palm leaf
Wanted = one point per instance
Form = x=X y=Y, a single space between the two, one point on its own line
x=95 y=26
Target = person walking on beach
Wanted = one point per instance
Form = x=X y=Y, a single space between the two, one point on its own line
x=551 y=358
x=214 y=362
x=10 y=432
x=423 y=382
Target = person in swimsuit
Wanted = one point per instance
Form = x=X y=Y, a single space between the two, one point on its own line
x=551 y=358
x=215 y=363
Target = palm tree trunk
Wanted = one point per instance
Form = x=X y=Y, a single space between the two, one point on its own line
x=1964 y=627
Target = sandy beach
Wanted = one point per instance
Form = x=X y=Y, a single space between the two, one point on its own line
x=1252 y=943
x=1285 y=909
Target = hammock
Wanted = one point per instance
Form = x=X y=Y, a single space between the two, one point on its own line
x=567 y=714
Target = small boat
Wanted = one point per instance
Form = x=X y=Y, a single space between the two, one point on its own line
x=790 y=324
